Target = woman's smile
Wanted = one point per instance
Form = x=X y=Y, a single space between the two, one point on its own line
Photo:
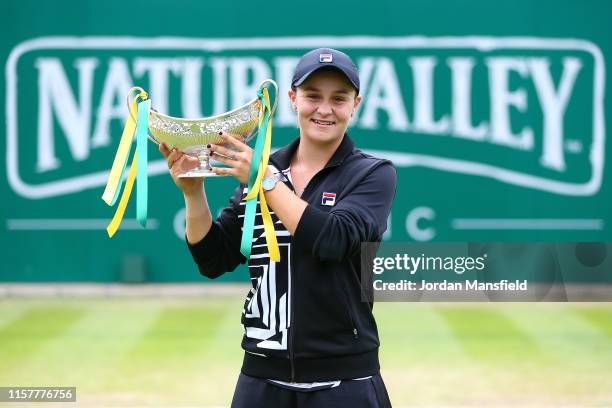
x=324 y=124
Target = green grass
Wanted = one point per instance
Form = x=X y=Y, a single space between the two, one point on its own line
x=172 y=352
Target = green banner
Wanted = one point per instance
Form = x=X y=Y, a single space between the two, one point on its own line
x=496 y=124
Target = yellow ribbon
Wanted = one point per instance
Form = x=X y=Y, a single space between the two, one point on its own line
x=121 y=157
x=113 y=226
x=269 y=231
x=265 y=155
x=115 y=176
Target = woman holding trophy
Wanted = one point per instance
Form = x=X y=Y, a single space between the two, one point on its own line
x=310 y=340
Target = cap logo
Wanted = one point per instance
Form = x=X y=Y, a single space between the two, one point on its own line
x=325 y=57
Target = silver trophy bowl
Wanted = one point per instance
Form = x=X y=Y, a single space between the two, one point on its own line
x=191 y=136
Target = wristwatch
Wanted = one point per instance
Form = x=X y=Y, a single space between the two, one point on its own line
x=270 y=182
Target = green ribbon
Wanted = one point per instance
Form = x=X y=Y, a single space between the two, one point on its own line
x=248 y=226
x=142 y=129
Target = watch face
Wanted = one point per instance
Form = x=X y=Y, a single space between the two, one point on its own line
x=268 y=183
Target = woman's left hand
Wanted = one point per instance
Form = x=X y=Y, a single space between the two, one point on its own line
x=238 y=157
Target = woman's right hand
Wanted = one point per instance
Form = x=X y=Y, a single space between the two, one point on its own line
x=179 y=163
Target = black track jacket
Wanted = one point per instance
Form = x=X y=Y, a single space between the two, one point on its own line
x=304 y=319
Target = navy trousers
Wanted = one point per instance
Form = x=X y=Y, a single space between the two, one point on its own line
x=257 y=393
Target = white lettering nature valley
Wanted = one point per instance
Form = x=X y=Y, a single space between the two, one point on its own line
x=519 y=101
x=382 y=92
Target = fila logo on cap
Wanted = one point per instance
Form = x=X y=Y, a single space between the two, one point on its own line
x=325 y=57
x=328 y=199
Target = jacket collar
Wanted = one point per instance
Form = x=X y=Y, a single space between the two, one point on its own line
x=282 y=157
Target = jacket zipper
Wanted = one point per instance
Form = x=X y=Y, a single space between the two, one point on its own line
x=292 y=325
x=291 y=301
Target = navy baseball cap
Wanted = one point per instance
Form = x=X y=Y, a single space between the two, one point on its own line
x=325 y=58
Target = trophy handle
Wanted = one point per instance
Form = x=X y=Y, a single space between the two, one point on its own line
x=267 y=84
x=130 y=98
